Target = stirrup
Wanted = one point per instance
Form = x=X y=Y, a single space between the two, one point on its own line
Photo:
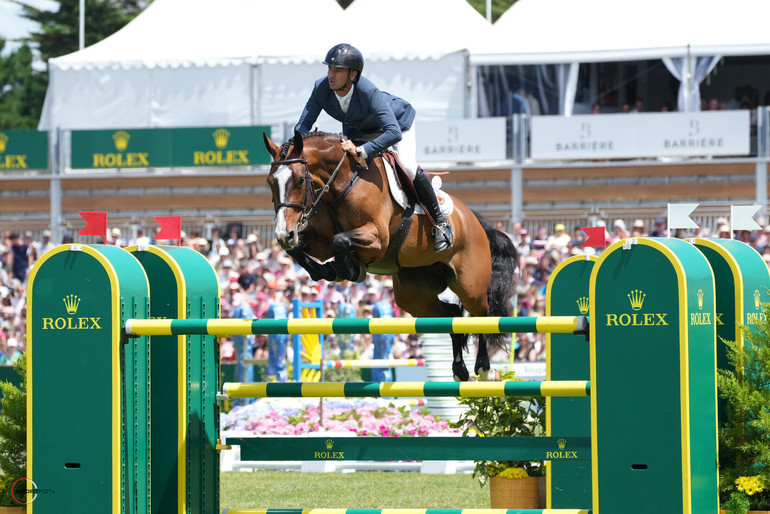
x=442 y=236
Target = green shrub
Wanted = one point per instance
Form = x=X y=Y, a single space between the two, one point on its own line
x=13 y=436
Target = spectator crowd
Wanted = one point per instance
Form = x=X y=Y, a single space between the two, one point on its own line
x=259 y=281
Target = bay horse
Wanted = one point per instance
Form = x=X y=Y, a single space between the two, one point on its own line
x=338 y=220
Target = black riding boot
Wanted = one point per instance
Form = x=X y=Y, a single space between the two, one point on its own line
x=442 y=232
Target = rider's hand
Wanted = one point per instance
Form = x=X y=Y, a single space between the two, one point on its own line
x=349 y=147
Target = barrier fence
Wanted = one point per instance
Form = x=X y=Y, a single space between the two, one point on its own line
x=78 y=292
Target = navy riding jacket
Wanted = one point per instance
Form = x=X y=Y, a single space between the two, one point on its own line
x=373 y=116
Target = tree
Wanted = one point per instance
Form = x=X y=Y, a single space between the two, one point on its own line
x=22 y=86
x=59 y=29
x=22 y=89
x=498 y=6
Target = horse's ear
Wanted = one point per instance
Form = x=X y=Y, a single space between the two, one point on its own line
x=298 y=145
x=272 y=148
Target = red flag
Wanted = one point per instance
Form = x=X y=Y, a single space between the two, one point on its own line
x=594 y=237
x=170 y=227
x=96 y=224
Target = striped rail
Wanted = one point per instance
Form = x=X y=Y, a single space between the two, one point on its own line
x=374 y=363
x=480 y=325
x=233 y=390
x=406 y=511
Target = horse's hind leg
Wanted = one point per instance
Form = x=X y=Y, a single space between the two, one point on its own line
x=483 y=368
x=459 y=343
x=416 y=291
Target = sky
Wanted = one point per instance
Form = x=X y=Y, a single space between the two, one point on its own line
x=13 y=25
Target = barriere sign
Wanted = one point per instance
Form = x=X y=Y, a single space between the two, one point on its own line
x=671 y=134
x=461 y=140
x=172 y=147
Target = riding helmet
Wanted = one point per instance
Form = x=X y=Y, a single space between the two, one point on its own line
x=345 y=56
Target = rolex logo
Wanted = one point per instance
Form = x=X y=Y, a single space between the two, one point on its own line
x=636 y=297
x=562 y=443
x=71 y=303
x=756 y=299
x=700 y=299
x=583 y=304
x=121 y=138
x=3 y=142
x=220 y=138
x=329 y=444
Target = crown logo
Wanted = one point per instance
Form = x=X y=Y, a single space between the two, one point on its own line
x=220 y=137
x=561 y=442
x=583 y=304
x=71 y=303
x=329 y=444
x=700 y=299
x=636 y=297
x=121 y=138
x=3 y=142
x=756 y=299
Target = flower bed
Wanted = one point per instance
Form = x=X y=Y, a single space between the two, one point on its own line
x=363 y=417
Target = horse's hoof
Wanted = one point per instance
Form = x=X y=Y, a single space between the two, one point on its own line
x=461 y=375
x=489 y=375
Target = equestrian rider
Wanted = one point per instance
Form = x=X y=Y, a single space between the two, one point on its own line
x=377 y=119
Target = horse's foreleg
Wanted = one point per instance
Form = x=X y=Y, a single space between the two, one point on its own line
x=317 y=270
x=361 y=241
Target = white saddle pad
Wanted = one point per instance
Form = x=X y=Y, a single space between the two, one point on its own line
x=398 y=194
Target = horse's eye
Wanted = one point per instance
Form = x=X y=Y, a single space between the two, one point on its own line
x=301 y=182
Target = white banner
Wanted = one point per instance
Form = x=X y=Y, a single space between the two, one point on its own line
x=480 y=139
x=669 y=134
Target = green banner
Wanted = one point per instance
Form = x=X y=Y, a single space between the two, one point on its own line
x=165 y=148
x=23 y=150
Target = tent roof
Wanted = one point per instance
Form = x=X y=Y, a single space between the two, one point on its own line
x=173 y=33
x=561 y=31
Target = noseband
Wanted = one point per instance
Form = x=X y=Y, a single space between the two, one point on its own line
x=313 y=202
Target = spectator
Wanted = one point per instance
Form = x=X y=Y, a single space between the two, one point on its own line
x=660 y=228
x=243 y=345
x=638 y=229
x=246 y=279
x=382 y=343
x=559 y=240
x=277 y=344
x=620 y=231
x=540 y=241
x=19 y=261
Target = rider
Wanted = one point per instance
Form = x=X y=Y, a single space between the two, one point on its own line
x=377 y=119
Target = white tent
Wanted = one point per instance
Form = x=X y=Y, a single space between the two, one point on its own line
x=563 y=31
x=689 y=35
x=242 y=62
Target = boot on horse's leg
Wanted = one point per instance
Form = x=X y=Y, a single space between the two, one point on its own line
x=347 y=269
x=442 y=232
x=316 y=270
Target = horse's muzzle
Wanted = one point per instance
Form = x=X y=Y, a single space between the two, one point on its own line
x=287 y=240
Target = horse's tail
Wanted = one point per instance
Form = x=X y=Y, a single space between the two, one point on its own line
x=502 y=286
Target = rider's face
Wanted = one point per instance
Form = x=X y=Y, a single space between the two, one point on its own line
x=340 y=79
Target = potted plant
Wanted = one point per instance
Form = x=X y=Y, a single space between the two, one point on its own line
x=513 y=484
x=13 y=441
x=744 y=435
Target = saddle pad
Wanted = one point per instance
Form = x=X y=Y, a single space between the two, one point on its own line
x=398 y=194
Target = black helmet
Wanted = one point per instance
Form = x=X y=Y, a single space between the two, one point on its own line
x=345 y=56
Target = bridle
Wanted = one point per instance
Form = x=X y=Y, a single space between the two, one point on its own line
x=313 y=201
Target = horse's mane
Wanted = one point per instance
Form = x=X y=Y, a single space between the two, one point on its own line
x=308 y=135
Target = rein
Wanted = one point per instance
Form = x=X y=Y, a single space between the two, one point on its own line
x=313 y=202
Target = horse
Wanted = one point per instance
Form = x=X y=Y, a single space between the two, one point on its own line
x=337 y=218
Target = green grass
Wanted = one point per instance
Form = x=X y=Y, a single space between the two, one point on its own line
x=362 y=489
